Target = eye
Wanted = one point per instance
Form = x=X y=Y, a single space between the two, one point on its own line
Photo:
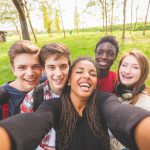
x=51 y=67
x=37 y=66
x=79 y=72
x=63 y=67
x=110 y=53
x=123 y=65
x=21 y=67
x=93 y=73
x=136 y=67
x=100 y=52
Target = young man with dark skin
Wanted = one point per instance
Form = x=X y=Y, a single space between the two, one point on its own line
x=106 y=52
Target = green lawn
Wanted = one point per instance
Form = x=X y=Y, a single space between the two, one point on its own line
x=80 y=44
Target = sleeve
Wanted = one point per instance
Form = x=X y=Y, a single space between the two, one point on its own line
x=121 y=118
x=27 y=104
x=28 y=129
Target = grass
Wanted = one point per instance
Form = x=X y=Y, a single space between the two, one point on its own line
x=81 y=44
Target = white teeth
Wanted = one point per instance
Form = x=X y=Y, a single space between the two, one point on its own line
x=84 y=85
x=102 y=63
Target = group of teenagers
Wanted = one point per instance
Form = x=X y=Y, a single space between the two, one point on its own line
x=76 y=106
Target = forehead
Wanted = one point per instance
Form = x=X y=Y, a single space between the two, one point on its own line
x=52 y=60
x=85 y=64
x=130 y=59
x=26 y=58
x=107 y=46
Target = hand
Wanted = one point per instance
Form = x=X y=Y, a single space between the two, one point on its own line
x=142 y=136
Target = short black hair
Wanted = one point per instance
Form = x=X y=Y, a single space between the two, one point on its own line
x=110 y=39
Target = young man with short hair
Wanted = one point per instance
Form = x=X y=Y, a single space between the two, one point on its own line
x=55 y=60
x=106 y=52
x=26 y=66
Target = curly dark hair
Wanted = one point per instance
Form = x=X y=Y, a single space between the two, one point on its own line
x=69 y=116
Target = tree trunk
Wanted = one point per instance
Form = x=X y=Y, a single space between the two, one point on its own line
x=24 y=27
x=112 y=15
x=62 y=20
x=131 y=15
x=28 y=17
x=146 y=19
x=17 y=29
x=124 y=19
x=106 y=17
x=136 y=18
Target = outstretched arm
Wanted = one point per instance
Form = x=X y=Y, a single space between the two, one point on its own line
x=142 y=136
x=28 y=129
x=122 y=120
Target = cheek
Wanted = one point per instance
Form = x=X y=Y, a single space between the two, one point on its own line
x=138 y=74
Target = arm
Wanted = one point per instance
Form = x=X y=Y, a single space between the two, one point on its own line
x=121 y=119
x=28 y=129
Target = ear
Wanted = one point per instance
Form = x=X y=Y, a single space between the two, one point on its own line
x=69 y=83
x=13 y=70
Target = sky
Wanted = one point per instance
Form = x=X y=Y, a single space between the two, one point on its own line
x=89 y=20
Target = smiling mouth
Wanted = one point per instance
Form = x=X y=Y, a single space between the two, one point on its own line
x=85 y=86
x=126 y=77
x=58 y=81
x=30 y=80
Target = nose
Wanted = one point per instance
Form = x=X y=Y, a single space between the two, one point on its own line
x=58 y=72
x=127 y=70
x=86 y=75
x=30 y=71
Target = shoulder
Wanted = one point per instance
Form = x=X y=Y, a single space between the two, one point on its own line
x=113 y=74
x=104 y=98
x=53 y=105
x=144 y=101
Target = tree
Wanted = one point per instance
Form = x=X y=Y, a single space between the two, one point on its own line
x=61 y=19
x=76 y=19
x=57 y=21
x=8 y=14
x=124 y=19
x=136 y=17
x=47 y=20
x=112 y=14
x=24 y=26
x=131 y=15
x=146 y=18
x=104 y=8
x=29 y=20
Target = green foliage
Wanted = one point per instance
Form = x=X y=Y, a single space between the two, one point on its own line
x=57 y=21
x=46 y=18
x=82 y=44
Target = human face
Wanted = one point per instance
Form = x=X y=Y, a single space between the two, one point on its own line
x=83 y=80
x=27 y=69
x=105 y=56
x=129 y=71
x=57 y=72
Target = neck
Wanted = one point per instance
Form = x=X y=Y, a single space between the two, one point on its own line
x=79 y=104
x=16 y=84
x=103 y=73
